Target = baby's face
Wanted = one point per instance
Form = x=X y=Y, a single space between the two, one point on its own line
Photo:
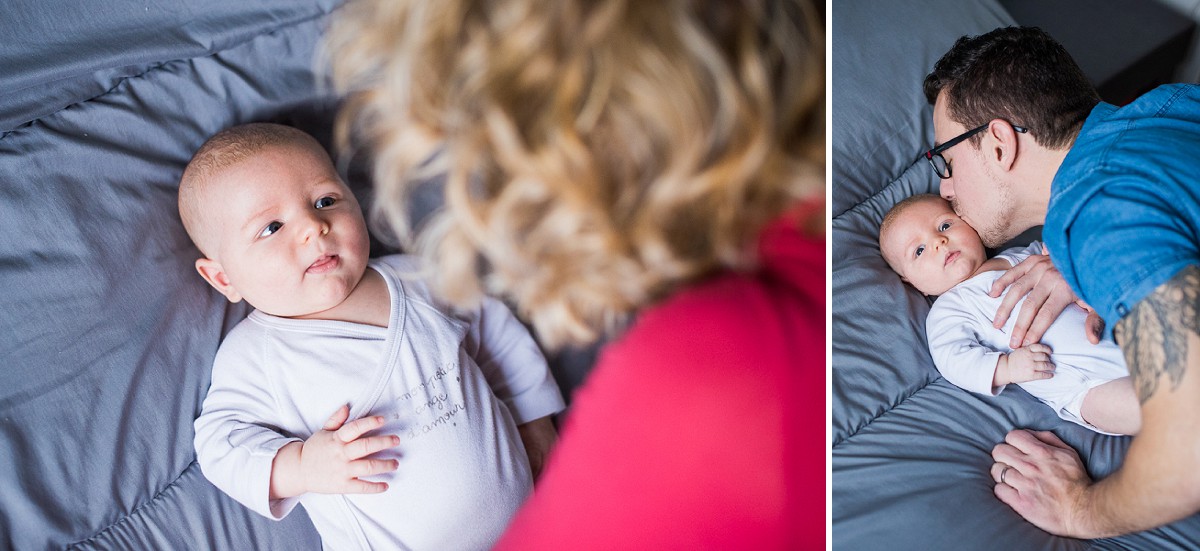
x=931 y=247
x=288 y=233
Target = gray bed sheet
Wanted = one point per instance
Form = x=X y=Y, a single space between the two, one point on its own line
x=108 y=333
x=911 y=452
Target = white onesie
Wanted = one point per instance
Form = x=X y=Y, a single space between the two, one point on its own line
x=453 y=387
x=965 y=347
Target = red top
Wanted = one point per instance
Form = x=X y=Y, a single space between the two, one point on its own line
x=702 y=427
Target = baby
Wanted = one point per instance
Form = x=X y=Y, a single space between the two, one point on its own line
x=938 y=253
x=433 y=458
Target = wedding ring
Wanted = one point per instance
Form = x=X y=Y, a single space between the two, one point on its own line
x=1004 y=472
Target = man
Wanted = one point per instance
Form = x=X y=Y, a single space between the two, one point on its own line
x=1024 y=141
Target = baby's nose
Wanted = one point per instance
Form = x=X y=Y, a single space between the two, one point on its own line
x=315 y=227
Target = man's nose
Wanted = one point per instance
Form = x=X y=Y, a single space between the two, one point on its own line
x=946 y=189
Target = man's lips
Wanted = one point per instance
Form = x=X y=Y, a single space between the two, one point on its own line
x=951 y=257
x=324 y=264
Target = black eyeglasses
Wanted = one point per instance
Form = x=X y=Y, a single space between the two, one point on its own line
x=935 y=158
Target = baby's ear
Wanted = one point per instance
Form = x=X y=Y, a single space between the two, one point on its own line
x=214 y=274
x=909 y=283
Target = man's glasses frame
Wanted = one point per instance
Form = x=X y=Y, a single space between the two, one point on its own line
x=938 y=162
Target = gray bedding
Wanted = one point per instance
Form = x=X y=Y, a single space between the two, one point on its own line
x=911 y=452
x=108 y=333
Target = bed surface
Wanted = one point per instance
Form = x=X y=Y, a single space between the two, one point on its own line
x=108 y=331
x=911 y=452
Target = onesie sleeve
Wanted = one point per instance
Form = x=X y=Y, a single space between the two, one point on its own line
x=1016 y=255
x=512 y=363
x=956 y=348
x=235 y=442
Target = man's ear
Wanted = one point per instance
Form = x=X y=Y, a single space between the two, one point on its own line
x=1005 y=147
x=214 y=274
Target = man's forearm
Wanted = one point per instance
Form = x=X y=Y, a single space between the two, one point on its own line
x=1150 y=489
x=1159 y=481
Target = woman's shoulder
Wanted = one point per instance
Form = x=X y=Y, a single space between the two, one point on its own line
x=773 y=314
x=728 y=321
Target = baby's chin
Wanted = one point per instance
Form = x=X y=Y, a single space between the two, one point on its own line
x=936 y=290
x=932 y=291
x=311 y=309
x=294 y=313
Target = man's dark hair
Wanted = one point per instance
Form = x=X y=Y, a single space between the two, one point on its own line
x=1019 y=74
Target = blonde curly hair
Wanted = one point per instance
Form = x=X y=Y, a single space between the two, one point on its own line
x=596 y=155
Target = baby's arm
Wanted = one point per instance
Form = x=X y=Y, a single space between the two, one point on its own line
x=239 y=443
x=237 y=433
x=332 y=460
x=953 y=330
x=1028 y=363
x=517 y=373
x=539 y=437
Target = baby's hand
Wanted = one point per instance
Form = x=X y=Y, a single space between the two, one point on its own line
x=1028 y=363
x=332 y=460
x=539 y=437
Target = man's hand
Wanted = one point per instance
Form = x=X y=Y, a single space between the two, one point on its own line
x=1042 y=479
x=1029 y=363
x=539 y=438
x=332 y=460
x=1048 y=295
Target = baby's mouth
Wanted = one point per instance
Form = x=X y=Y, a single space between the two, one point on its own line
x=951 y=258
x=324 y=264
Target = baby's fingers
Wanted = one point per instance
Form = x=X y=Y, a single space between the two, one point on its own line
x=1039 y=348
x=367 y=446
x=335 y=421
x=368 y=467
x=1040 y=357
x=358 y=427
x=356 y=486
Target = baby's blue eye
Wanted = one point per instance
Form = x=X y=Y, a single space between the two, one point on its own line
x=270 y=229
x=920 y=249
x=326 y=201
x=945 y=226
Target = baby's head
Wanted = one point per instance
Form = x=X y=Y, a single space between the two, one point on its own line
x=275 y=223
x=928 y=245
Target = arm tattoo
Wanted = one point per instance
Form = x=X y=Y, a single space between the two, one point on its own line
x=1154 y=334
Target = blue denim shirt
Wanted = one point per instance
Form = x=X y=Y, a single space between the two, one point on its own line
x=1125 y=204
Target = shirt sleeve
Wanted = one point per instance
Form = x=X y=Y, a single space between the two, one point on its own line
x=1125 y=241
x=512 y=363
x=235 y=443
x=957 y=349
